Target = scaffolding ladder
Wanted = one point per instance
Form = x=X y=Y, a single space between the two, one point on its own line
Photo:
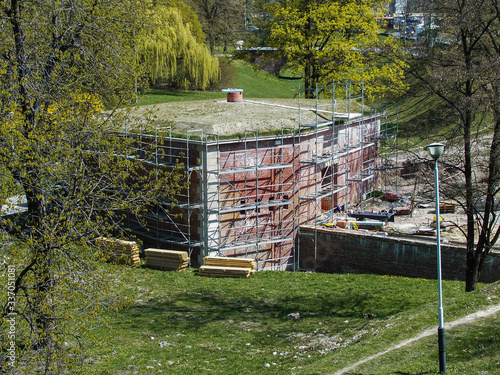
x=249 y=197
x=387 y=164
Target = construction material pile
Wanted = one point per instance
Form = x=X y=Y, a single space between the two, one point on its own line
x=120 y=251
x=446 y=208
x=168 y=260
x=227 y=267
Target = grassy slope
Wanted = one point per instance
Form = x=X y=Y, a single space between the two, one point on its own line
x=258 y=84
x=422 y=117
x=155 y=96
x=263 y=85
x=254 y=84
x=185 y=324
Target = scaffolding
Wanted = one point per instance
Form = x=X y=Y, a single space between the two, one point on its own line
x=247 y=197
x=341 y=154
x=387 y=164
x=249 y=194
x=362 y=146
x=319 y=141
x=168 y=222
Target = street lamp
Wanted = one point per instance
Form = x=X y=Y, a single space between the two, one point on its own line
x=436 y=150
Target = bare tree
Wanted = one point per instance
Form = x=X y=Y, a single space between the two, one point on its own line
x=458 y=62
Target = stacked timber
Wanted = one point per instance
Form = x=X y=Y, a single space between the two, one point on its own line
x=168 y=260
x=445 y=207
x=120 y=251
x=227 y=267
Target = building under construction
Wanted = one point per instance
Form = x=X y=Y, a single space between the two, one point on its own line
x=248 y=194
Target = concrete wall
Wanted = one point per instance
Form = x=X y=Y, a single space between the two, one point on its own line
x=346 y=251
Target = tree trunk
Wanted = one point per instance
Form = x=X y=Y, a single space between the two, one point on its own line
x=211 y=43
x=309 y=66
x=307 y=82
x=471 y=273
x=471 y=277
x=467 y=116
x=36 y=205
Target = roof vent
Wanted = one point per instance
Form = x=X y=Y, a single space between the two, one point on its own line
x=234 y=95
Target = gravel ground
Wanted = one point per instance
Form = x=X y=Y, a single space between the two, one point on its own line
x=223 y=118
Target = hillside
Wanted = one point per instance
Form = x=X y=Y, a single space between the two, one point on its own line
x=291 y=323
x=255 y=84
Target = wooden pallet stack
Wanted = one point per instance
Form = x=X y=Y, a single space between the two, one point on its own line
x=120 y=251
x=446 y=208
x=227 y=267
x=168 y=260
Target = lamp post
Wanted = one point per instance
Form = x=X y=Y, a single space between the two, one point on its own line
x=436 y=150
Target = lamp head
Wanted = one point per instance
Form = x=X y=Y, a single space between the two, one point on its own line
x=435 y=150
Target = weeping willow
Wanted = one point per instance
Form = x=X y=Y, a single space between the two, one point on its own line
x=171 y=53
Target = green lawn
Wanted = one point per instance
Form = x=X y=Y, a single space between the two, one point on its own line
x=258 y=84
x=182 y=323
x=255 y=84
x=155 y=96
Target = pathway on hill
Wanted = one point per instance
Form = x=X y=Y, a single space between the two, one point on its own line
x=431 y=331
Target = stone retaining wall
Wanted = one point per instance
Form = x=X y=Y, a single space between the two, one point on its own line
x=347 y=251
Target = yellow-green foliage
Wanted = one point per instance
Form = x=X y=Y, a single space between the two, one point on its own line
x=171 y=53
x=334 y=41
x=188 y=15
x=61 y=64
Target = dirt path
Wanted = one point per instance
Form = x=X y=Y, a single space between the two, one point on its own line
x=468 y=319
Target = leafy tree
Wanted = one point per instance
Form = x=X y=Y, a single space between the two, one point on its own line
x=221 y=20
x=188 y=15
x=64 y=66
x=171 y=53
x=333 y=41
x=458 y=63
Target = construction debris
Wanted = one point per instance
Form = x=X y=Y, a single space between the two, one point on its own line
x=392 y=197
x=227 y=267
x=406 y=210
x=425 y=231
x=380 y=216
x=345 y=224
x=120 y=251
x=168 y=260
